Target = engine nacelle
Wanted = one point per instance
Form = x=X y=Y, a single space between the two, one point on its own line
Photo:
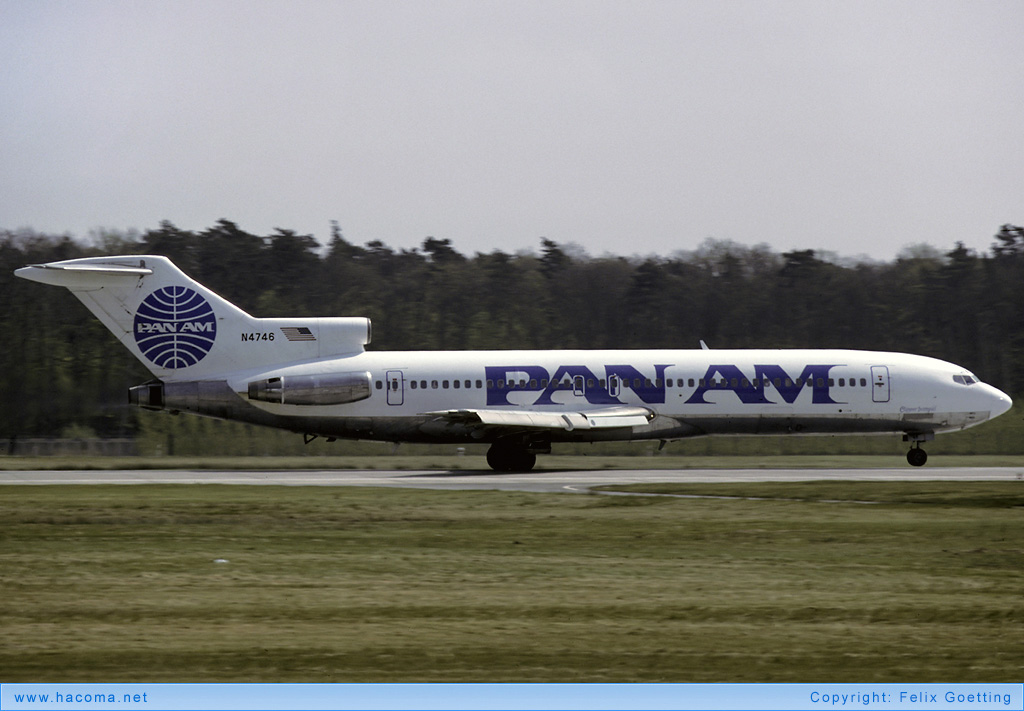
x=149 y=396
x=205 y=397
x=322 y=389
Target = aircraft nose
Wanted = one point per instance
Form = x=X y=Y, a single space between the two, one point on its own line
x=1001 y=402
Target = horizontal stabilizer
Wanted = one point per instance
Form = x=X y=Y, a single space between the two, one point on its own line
x=82 y=276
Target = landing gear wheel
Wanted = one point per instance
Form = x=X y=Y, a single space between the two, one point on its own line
x=510 y=458
x=917 y=457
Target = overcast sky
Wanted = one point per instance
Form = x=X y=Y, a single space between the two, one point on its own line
x=625 y=127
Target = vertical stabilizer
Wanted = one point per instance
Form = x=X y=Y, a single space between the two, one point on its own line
x=180 y=329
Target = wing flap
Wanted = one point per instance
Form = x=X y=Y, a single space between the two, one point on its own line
x=589 y=419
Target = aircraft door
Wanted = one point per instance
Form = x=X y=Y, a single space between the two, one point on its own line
x=394 y=382
x=880 y=383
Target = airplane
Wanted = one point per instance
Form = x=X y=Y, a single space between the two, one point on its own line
x=314 y=376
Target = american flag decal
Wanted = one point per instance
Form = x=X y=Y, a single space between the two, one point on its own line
x=298 y=333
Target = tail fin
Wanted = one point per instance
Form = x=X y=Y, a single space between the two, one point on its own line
x=181 y=330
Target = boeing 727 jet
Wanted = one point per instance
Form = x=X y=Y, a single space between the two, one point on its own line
x=314 y=376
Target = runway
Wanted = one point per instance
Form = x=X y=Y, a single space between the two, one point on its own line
x=537 y=481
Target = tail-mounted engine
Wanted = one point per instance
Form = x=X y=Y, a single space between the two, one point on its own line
x=216 y=398
x=323 y=389
x=149 y=396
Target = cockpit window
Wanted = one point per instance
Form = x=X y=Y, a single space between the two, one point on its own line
x=965 y=379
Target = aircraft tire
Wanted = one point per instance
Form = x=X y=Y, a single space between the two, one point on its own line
x=506 y=458
x=917 y=457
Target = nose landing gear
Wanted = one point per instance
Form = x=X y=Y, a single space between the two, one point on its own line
x=916 y=457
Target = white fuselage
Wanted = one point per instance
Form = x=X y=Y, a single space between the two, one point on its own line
x=690 y=392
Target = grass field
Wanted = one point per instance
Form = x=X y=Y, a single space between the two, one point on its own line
x=232 y=583
x=453 y=462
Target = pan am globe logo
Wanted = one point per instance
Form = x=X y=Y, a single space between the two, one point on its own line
x=175 y=327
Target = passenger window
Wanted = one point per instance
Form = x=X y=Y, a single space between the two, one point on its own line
x=842 y=382
x=821 y=382
x=691 y=382
x=863 y=382
x=380 y=385
x=413 y=384
x=455 y=384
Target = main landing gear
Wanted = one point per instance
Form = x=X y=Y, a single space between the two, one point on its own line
x=916 y=457
x=511 y=457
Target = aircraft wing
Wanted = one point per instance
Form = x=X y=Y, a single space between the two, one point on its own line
x=534 y=419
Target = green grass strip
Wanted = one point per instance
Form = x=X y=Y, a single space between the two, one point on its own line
x=778 y=582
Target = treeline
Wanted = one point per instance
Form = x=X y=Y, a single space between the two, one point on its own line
x=61 y=371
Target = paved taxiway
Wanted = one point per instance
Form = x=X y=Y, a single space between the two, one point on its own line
x=542 y=481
